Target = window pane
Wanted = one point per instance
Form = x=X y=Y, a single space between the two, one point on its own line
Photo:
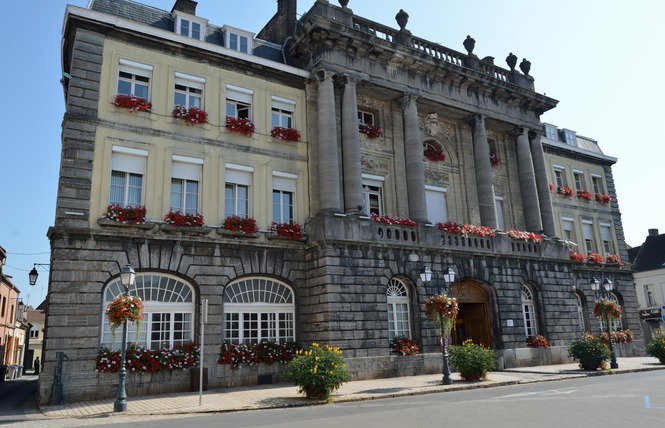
x=180 y=99
x=196 y=30
x=233 y=39
x=231 y=109
x=176 y=194
x=117 y=191
x=276 y=206
x=243 y=201
x=229 y=200
x=124 y=87
x=275 y=120
x=141 y=91
x=184 y=27
x=243 y=44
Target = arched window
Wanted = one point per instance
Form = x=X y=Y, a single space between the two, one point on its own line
x=397 y=296
x=257 y=309
x=168 y=313
x=579 y=301
x=529 y=312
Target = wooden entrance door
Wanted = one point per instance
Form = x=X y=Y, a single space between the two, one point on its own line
x=473 y=320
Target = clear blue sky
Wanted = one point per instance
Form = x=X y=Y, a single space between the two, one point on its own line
x=600 y=59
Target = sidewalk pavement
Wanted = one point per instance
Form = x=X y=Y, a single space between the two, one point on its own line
x=283 y=395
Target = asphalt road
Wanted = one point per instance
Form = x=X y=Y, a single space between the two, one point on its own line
x=17 y=397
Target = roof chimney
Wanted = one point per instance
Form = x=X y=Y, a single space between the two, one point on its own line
x=185 y=6
x=653 y=232
x=282 y=25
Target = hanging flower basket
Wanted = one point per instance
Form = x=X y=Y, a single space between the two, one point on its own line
x=612 y=259
x=495 y=160
x=394 y=220
x=286 y=134
x=607 y=308
x=566 y=191
x=583 y=194
x=434 y=155
x=241 y=224
x=124 y=309
x=442 y=310
x=595 y=258
x=370 y=130
x=192 y=116
x=176 y=218
x=126 y=215
x=132 y=103
x=605 y=199
x=240 y=125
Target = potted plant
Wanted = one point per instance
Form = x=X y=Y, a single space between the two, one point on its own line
x=473 y=361
x=286 y=134
x=537 y=341
x=132 y=103
x=370 y=130
x=583 y=194
x=403 y=346
x=566 y=191
x=246 y=226
x=434 y=155
x=578 y=257
x=612 y=259
x=590 y=351
x=656 y=348
x=125 y=215
x=287 y=230
x=193 y=115
x=240 y=125
x=595 y=258
x=318 y=371
x=605 y=199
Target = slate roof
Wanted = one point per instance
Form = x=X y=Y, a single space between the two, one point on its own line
x=651 y=254
x=163 y=20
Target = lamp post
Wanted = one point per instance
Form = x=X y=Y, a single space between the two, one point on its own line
x=441 y=287
x=602 y=292
x=127 y=277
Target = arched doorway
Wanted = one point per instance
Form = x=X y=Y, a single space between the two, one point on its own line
x=473 y=320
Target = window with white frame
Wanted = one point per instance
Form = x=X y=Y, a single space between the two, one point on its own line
x=435 y=198
x=134 y=79
x=587 y=227
x=571 y=140
x=168 y=314
x=237 y=190
x=606 y=234
x=551 y=133
x=188 y=91
x=185 y=182
x=372 y=194
x=127 y=172
x=283 y=197
x=498 y=202
x=34 y=333
x=529 y=312
x=579 y=301
x=190 y=26
x=568 y=229
x=597 y=181
x=579 y=179
x=651 y=301
x=257 y=309
x=238 y=40
x=365 y=117
x=560 y=176
x=397 y=296
x=239 y=102
x=282 y=112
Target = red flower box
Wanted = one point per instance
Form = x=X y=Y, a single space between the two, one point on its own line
x=132 y=103
x=286 y=134
x=606 y=199
x=495 y=160
x=240 y=224
x=287 y=230
x=434 y=155
x=192 y=115
x=176 y=218
x=583 y=194
x=595 y=258
x=465 y=229
x=578 y=257
x=566 y=191
x=127 y=215
x=537 y=341
x=370 y=130
x=394 y=220
x=241 y=126
x=612 y=259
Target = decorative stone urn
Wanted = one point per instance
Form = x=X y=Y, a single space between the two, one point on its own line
x=525 y=66
x=511 y=60
x=343 y=2
x=469 y=43
x=402 y=19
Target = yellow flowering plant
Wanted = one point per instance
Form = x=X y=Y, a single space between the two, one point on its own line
x=590 y=351
x=473 y=361
x=318 y=371
x=656 y=347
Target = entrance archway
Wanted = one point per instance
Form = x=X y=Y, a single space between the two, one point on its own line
x=473 y=320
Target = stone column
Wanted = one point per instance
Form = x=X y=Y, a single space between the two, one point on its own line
x=413 y=154
x=329 y=194
x=530 y=200
x=542 y=185
x=484 y=176
x=353 y=197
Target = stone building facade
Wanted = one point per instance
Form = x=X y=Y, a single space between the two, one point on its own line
x=367 y=100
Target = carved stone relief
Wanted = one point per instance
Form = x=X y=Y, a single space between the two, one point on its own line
x=437 y=177
x=374 y=164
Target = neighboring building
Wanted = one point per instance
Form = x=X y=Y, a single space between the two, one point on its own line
x=13 y=326
x=353 y=282
x=648 y=263
x=36 y=318
x=589 y=219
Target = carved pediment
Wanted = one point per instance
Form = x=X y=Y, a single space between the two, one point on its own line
x=433 y=127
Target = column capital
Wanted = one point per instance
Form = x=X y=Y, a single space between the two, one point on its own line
x=322 y=75
x=347 y=79
x=407 y=98
x=476 y=119
x=535 y=133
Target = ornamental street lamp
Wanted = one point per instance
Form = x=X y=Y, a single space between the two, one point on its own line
x=441 y=287
x=602 y=291
x=127 y=277
x=33 y=274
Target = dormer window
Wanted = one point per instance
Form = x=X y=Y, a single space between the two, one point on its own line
x=551 y=133
x=238 y=40
x=190 y=26
x=571 y=140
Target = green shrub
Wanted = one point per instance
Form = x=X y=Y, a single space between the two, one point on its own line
x=591 y=352
x=473 y=361
x=318 y=371
x=656 y=347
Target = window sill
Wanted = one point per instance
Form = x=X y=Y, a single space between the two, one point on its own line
x=235 y=234
x=110 y=223
x=185 y=230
